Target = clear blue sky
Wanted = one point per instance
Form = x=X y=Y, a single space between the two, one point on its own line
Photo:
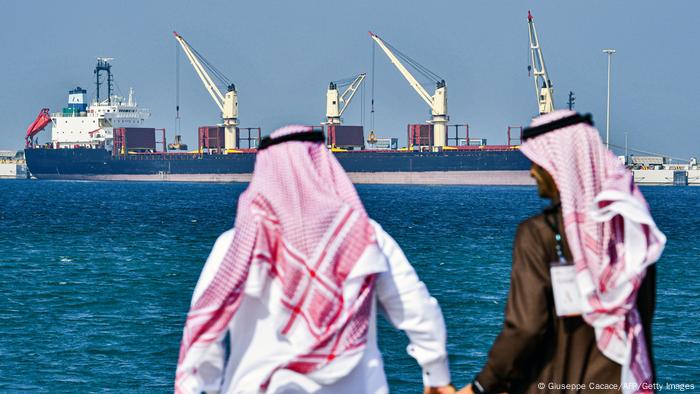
x=282 y=54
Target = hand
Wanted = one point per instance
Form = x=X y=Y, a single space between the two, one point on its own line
x=466 y=390
x=448 y=389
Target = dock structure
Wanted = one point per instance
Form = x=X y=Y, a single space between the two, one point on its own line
x=659 y=170
x=668 y=177
x=12 y=165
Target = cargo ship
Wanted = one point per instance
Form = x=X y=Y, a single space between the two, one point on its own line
x=106 y=140
x=460 y=167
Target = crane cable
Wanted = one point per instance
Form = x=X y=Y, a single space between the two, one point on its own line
x=341 y=83
x=649 y=153
x=371 y=113
x=427 y=73
x=177 y=89
x=212 y=69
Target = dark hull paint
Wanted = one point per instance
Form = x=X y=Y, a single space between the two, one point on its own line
x=99 y=164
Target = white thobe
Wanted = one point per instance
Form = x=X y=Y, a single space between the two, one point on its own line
x=256 y=347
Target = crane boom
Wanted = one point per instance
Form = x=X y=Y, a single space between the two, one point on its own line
x=543 y=86
x=201 y=72
x=334 y=99
x=402 y=69
x=349 y=93
x=436 y=102
x=227 y=103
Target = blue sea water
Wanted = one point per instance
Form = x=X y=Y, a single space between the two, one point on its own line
x=96 y=278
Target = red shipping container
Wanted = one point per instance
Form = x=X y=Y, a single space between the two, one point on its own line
x=420 y=135
x=346 y=136
x=211 y=138
x=136 y=139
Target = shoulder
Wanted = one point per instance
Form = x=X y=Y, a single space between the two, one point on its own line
x=532 y=230
x=533 y=247
x=396 y=259
x=379 y=232
x=224 y=240
x=385 y=242
x=216 y=256
x=219 y=250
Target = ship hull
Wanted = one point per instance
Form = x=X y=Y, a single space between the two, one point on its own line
x=465 y=167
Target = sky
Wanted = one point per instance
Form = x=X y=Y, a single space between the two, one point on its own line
x=282 y=54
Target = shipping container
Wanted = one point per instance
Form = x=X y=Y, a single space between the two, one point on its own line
x=139 y=139
x=211 y=139
x=346 y=137
x=420 y=135
x=134 y=139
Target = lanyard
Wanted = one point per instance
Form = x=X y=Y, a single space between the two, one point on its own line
x=551 y=219
x=567 y=296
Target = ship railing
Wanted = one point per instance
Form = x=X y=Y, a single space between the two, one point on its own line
x=483 y=148
x=68 y=114
x=129 y=114
x=173 y=155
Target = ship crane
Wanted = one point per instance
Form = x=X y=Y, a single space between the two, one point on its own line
x=543 y=86
x=337 y=103
x=227 y=103
x=437 y=102
x=41 y=121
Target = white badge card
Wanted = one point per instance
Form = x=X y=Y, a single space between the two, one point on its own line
x=567 y=297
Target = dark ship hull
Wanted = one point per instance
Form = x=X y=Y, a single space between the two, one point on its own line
x=480 y=165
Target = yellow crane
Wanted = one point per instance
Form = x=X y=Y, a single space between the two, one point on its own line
x=543 y=86
x=227 y=103
x=437 y=102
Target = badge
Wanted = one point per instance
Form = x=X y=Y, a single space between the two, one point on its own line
x=567 y=297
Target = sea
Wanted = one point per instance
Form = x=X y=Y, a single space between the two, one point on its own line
x=96 y=277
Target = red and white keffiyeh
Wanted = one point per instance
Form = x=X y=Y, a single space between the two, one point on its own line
x=611 y=235
x=302 y=225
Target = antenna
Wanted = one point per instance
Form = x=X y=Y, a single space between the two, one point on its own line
x=571 y=101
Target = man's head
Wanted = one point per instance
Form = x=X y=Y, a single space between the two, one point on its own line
x=546 y=187
x=551 y=141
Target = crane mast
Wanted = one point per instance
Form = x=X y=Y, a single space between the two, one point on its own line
x=543 y=86
x=437 y=102
x=227 y=103
x=334 y=99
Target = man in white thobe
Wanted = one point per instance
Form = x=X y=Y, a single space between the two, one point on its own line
x=287 y=300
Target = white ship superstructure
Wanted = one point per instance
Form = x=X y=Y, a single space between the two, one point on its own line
x=92 y=126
